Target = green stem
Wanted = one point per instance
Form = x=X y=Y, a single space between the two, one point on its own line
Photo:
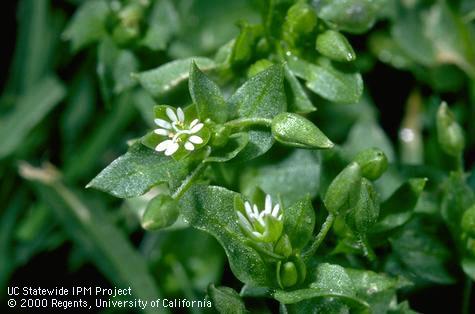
x=467 y=291
x=247 y=122
x=367 y=250
x=185 y=185
x=319 y=237
x=459 y=163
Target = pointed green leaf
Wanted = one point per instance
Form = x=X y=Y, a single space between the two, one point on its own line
x=329 y=82
x=207 y=96
x=262 y=96
x=226 y=300
x=299 y=102
x=138 y=170
x=399 y=207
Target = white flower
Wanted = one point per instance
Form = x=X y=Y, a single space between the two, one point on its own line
x=264 y=225
x=178 y=132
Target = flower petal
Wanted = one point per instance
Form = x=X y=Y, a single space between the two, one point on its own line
x=171 y=114
x=162 y=123
x=256 y=210
x=163 y=145
x=195 y=139
x=181 y=115
x=193 y=123
x=244 y=222
x=171 y=149
x=268 y=206
x=248 y=208
x=275 y=211
x=197 y=128
x=161 y=132
x=189 y=146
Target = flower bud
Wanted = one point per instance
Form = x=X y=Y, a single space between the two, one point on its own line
x=373 y=163
x=161 y=212
x=287 y=274
x=294 y=130
x=449 y=132
x=365 y=208
x=335 y=46
x=220 y=135
x=468 y=221
x=337 y=198
x=283 y=246
x=301 y=20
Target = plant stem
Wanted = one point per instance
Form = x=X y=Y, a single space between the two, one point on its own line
x=246 y=122
x=185 y=185
x=367 y=250
x=319 y=237
x=467 y=291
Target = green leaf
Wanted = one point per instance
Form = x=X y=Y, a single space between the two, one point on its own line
x=329 y=82
x=331 y=281
x=456 y=199
x=163 y=23
x=210 y=208
x=226 y=300
x=88 y=24
x=30 y=109
x=291 y=178
x=262 y=96
x=422 y=254
x=379 y=290
x=468 y=266
x=399 y=207
x=138 y=170
x=299 y=222
x=299 y=102
x=408 y=32
x=207 y=96
x=294 y=130
x=235 y=144
x=105 y=244
x=165 y=78
x=356 y=16
x=452 y=37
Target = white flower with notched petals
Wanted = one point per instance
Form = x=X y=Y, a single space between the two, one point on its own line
x=266 y=224
x=177 y=132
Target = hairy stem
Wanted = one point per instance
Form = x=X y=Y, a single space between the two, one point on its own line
x=319 y=237
x=185 y=185
x=247 y=122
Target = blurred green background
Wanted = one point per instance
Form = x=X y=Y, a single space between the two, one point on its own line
x=68 y=107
